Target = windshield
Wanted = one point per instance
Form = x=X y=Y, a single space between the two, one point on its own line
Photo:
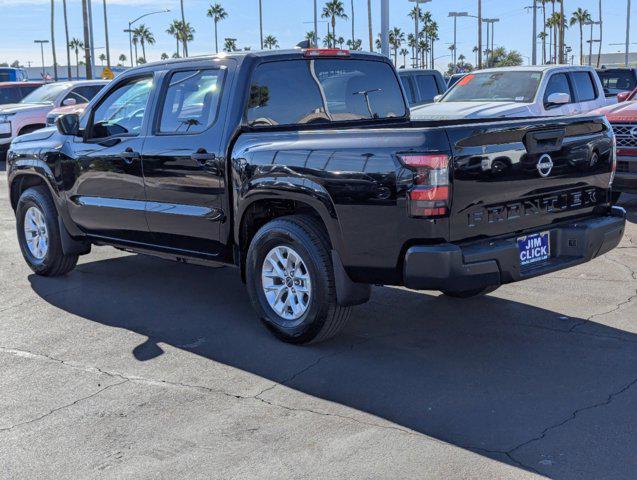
x=46 y=93
x=496 y=87
x=617 y=81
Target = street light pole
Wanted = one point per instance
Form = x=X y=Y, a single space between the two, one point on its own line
x=90 y=30
x=455 y=16
x=534 y=54
x=417 y=29
x=130 y=30
x=42 y=42
x=261 y=21
x=479 y=34
x=627 y=32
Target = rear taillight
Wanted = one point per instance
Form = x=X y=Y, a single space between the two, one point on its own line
x=326 y=52
x=430 y=194
x=613 y=160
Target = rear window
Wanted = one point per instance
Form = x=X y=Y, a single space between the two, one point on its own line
x=324 y=90
x=617 y=81
x=584 y=86
x=427 y=87
x=9 y=95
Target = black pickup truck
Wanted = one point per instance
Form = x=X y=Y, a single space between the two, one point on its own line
x=302 y=168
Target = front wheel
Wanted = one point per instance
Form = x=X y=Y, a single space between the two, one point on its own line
x=291 y=281
x=39 y=234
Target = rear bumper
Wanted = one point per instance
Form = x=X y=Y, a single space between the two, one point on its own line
x=487 y=263
x=626 y=175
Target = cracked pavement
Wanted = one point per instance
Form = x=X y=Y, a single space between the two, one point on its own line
x=134 y=367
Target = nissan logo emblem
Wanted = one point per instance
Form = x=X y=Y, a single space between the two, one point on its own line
x=633 y=133
x=545 y=165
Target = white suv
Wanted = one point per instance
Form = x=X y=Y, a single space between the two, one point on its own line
x=542 y=91
x=30 y=113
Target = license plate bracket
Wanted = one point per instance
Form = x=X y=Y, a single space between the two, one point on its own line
x=534 y=249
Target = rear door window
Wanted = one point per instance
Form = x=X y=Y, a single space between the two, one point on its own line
x=409 y=89
x=427 y=87
x=584 y=86
x=558 y=83
x=191 y=101
x=26 y=89
x=617 y=81
x=323 y=91
x=9 y=95
x=83 y=94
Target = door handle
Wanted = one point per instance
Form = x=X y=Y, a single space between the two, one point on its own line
x=202 y=156
x=129 y=155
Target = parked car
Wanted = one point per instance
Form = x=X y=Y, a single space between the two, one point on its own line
x=13 y=74
x=303 y=169
x=618 y=80
x=13 y=92
x=54 y=114
x=519 y=92
x=29 y=114
x=453 y=79
x=623 y=118
x=422 y=86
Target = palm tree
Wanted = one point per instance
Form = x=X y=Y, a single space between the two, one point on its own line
x=404 y=52
x=340 y=41
x=396 y=39
x=544 y=35
x=270 y=42
x=355 y=44
x=122 y=59
x=230 y=45
x=144 y=36
x=411 y=43
x=432 y=31
x=175 y=30
x=558 y=23
x=581 y=17
x=165 y=56
x=416 y=15
x=423 y=47
x=76 y=45
x=69 y=73
x=329 y=40
x=102 y=58
x=55 y=60
x=217 y=13
x=311 y=37
x=369 y=23
x=475 y=50
x=332 y=10
x=185 y=36
x=135 y=43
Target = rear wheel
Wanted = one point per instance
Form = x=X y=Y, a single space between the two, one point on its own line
x=39 y=234
x=291 y=281
x=477 y=292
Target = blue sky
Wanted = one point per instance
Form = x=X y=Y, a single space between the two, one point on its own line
x=26 y=20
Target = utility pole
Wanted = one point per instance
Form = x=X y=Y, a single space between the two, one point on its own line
x=534 y=44
x=627 y=33
x=455 y=16
x=353 y=33
x=601 y=30
x=479 y=34
x=87 y=41
x=261 y=22
x=384 y=27
x=486 y=20
x=55 y=59
x=562 y=27
x=108 y=47
x=90 y=29
x=369 y=25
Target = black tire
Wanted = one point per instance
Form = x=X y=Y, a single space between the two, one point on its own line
x=55 y=263
x=615 y=196
x=323 y=318
x=477 y=292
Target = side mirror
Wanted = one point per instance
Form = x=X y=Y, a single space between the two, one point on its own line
x=68 y=124
x=558 y=99
x=68 y=102
x=437 y=98
x=622 y=97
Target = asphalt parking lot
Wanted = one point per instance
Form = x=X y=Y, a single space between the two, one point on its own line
x=134 y=367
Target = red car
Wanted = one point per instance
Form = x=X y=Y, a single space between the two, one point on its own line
x=13 y=92
x=623 y=118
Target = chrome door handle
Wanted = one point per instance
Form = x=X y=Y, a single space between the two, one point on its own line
x=129 y=155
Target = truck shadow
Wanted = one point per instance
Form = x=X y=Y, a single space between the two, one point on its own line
x=504 y=379
x=629 y=202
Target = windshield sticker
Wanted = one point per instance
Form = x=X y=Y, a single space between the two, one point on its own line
x=466 y=80
x=519 y=99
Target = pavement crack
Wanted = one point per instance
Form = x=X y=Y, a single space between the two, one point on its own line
x=601 y=314
x=63 y=407
x=570 y=418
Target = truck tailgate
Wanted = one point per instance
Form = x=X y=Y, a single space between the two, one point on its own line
x=527 y=174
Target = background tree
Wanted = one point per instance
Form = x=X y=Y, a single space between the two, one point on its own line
x=145 y=37
x=270 y=42
x=311 y=37
x=185 y=35
x=396 y=39
x=122 y=59
x=217 y=13
x=354 y=44
x=329 y=41
x=334 y=9
x=175 y=30
x=581 y=17
x=230 y=45
x=503 y=58
x=404 y=52
x=76 y=45
x=165 y=56
x=102 y=58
